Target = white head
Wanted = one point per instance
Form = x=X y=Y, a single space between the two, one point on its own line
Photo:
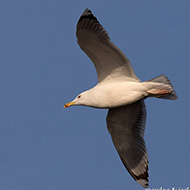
x=83 y=98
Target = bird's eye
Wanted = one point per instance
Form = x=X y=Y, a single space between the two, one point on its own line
x=79 y=96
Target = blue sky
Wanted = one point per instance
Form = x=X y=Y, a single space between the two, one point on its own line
x=44 y=146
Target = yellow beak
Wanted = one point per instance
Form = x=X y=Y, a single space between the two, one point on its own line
x=69 y=104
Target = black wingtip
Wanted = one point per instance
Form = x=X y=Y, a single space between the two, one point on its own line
x=87 y=12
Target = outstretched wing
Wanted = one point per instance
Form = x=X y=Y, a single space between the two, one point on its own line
x=126 y=125
x=109 y=61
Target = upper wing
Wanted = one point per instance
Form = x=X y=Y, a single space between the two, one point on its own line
x=126 y=125
x=109 y=61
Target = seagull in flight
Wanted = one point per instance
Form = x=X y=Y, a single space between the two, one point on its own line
x=121 y=92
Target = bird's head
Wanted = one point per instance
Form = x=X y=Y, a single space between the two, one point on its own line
x=81 y=99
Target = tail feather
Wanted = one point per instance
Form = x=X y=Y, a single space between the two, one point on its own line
x=162 y=93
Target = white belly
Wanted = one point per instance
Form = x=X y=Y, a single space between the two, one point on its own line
x=118 y=94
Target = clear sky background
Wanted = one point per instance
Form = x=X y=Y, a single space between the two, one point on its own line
x=46 y=147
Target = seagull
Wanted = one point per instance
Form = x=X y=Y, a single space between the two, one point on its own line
x=122 y=92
